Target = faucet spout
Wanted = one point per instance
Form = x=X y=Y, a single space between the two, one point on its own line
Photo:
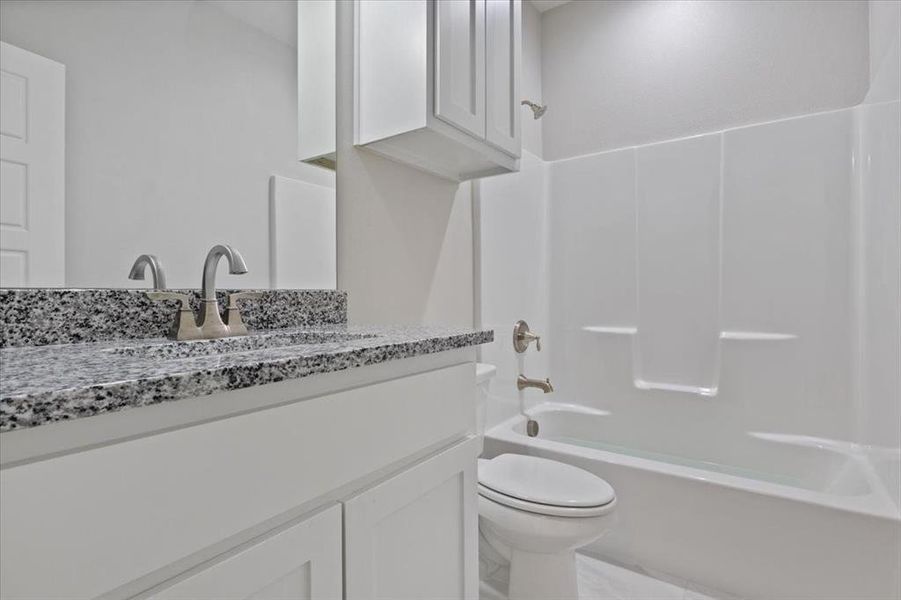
x=523 y=382
x=236 y=266
x=150 y=261
x=211 y=324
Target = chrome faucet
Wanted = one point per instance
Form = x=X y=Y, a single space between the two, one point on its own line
x=156 y=269
x=211 y=325
x=523 y=382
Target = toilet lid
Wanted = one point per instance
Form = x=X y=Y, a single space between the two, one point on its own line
x=544 y=481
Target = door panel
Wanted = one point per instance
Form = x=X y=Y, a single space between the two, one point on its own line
x=460 y=64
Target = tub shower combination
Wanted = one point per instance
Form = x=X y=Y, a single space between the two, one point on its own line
x=782 y=516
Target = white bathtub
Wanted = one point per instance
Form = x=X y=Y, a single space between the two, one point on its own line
x=772 y=517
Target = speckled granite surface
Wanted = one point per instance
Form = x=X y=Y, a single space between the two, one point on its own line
x=38 y=316
x=46 y=384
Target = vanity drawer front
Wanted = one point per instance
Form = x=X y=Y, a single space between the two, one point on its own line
x=86 y=523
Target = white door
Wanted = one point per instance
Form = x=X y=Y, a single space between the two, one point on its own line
x=299 y=563
x=503 y=47
x=32 y=169
x=415 y=536
x=460 y=64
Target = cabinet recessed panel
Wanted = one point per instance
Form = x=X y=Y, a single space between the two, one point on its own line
x=460 y=65
x=503 y=24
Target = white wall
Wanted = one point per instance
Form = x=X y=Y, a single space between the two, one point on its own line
x=177 y=114
x=623 y=73
x=404 y=236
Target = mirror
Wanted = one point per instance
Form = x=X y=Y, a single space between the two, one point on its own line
x=164 y=128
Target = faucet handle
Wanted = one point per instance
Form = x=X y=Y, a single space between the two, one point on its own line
x=234 y=298
x=522 y=337
x=185 y=327
x=184 y=298
x=233 y=319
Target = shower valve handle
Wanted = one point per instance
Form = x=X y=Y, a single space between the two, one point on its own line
x=522 y=337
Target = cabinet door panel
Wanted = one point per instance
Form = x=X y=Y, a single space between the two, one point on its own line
x=416 y=535
x=460 y=64
x=302 y=562
x=503 y=19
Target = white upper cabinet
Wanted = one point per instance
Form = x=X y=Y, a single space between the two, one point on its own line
x=503 y=50
x=460 y=54
x=437 y=84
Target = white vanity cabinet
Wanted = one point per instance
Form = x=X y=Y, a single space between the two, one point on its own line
x=366 y=475
x=437 y=84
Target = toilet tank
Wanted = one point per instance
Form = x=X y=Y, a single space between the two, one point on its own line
x=484 y=375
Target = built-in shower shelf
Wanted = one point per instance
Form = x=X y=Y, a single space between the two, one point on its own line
x=746 y=336
x=674 y=387
x=610 y=330
x=644 y=384
x=756 y=336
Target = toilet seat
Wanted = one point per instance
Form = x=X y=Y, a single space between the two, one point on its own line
x=543 y=486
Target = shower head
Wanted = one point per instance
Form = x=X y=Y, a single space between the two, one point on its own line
x=537 y=109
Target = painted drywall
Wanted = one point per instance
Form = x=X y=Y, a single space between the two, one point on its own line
x=177 y=115
x=625 y=73
x=404 y=236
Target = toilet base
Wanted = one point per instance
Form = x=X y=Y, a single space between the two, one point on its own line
x=536 y=576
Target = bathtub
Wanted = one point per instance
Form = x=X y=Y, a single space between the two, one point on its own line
x=772 y=517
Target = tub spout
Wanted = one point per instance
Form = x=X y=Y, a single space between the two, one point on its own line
x=523 y=382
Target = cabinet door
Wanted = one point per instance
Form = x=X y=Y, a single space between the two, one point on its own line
x=460 y=64
x=299 y=563
x=503 y=43
x=416 y=535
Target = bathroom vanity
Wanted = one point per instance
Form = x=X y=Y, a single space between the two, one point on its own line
x=312 y=460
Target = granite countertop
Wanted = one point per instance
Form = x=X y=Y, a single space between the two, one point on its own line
x=50 y=383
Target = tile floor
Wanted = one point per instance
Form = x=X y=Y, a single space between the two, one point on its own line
x=599 y=580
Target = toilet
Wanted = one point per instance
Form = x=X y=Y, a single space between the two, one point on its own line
x=534 y=513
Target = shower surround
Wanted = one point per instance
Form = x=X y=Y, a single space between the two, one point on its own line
x=737 y=281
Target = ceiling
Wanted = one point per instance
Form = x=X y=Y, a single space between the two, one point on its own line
x=545 y=5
